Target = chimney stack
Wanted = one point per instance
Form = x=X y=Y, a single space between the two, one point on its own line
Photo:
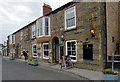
x=46 y=9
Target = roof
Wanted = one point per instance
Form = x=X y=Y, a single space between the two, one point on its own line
x=60 y=8
x=52 y=12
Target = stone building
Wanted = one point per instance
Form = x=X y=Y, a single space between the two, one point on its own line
x=81 y=30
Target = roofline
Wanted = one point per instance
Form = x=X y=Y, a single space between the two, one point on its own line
x=52 y=12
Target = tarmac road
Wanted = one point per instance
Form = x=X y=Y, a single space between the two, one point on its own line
x=12 y=70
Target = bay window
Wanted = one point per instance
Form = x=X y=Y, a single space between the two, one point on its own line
x=43 y=27
x=45 y=50
x=70 y=18
x=71 y=49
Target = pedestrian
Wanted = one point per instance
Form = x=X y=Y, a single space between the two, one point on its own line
x=28 y=54
x=25 y=55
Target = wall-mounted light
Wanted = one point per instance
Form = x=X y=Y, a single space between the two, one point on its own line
x=62 y=37
x=92 y=31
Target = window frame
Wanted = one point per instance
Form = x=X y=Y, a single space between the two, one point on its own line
x=33 y=31
x=75 y=50
x=12 y=40
x=43 y=27
x=21 y=36
x=32 y=50
x=72 y=27
x=21 y=49
x=46 y=50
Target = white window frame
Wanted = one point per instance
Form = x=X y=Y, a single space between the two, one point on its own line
x=76 y=49
x=32 y=50
x=43 y=27
x=11 y=39
x=21 y=35
x=67 y=28
x=21 y=49
x=33 y=33
x=45 y=50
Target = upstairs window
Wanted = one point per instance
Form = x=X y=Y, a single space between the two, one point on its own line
x=21 y=35
x=43 y=27
x=12 y=39
x=46 y=26
x=70 y=18
x=40 y=27
x=33 y=31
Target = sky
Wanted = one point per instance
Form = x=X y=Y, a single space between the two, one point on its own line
x=15 y=14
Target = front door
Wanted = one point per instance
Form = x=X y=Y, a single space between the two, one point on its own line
x=55 y=49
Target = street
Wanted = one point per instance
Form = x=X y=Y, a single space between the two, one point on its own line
x=13 y=70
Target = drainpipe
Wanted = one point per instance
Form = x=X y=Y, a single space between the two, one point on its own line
x=106 y=33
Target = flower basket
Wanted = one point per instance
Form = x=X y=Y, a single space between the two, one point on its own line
x=109 y=75
x=11 y=58
x=29 y=62
x=33 y=62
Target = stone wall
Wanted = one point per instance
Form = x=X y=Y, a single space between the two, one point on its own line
x=112 y=26
x=84 y=13
x=27 y=44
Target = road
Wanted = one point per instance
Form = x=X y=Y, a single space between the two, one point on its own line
x=13 y=70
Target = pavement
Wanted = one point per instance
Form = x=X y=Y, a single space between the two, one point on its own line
x=88 y=74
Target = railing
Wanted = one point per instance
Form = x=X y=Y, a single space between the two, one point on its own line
x=116 y=58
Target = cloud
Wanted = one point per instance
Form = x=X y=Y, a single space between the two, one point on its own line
x=14 y=14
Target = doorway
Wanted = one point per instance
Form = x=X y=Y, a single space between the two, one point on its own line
x=55 y=49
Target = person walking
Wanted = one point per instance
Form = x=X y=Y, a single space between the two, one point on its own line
x=28 y=54
x=25 y=55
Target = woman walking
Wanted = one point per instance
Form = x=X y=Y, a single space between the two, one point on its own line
x=25 y=55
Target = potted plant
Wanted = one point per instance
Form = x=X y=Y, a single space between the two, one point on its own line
x=108 y=74
x=29 y=61
x=11 y=58
x=35 y=62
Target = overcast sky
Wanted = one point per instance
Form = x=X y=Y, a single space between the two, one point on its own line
x=14 y=14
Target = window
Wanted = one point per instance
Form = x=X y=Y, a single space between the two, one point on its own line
x=21 y=35
x=21 y=49
x=34 y=52
x=88 y=51
x=12 y=39
x=70 y=18
x=45 y=50
x=33 y=31
x=43 y=27
x=71 y=49
x=46 y=26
